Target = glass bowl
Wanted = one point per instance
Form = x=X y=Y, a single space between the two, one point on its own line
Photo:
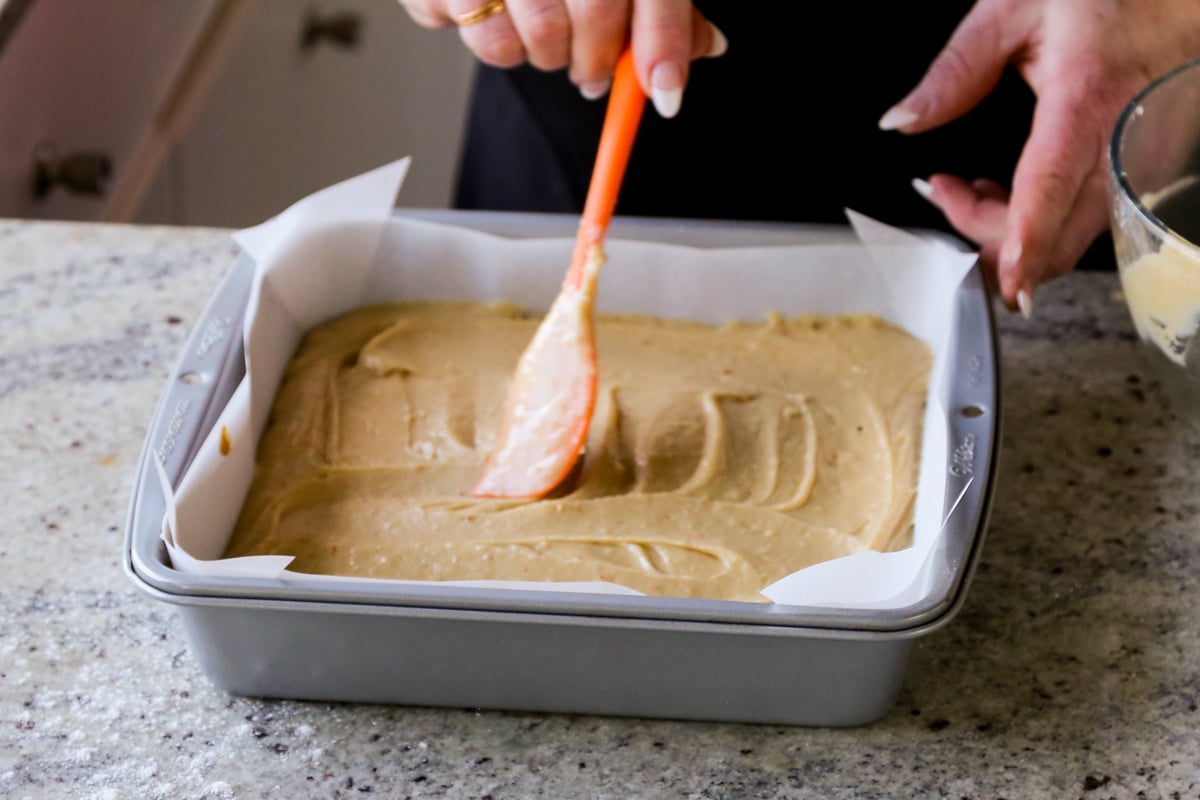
x=1154 y=185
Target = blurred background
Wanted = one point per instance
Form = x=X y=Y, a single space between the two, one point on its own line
x=219 y=112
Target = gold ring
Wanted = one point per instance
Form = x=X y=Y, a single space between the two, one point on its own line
x=479 y=14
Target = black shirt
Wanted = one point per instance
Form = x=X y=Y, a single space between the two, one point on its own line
x=781 y=127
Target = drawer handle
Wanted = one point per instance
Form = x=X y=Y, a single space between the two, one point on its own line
x=342 y=29
x=82 y=172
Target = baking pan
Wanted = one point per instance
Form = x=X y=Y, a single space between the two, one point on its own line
x=468 y=647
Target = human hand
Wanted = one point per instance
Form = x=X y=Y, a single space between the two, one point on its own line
x=585 y=37
x=1084 y=59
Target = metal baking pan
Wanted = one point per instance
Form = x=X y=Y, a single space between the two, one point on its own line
x=374 y=641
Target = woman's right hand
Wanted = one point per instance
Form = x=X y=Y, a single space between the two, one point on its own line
x=585 y=37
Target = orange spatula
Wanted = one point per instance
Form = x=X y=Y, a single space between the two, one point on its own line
x=549 y=405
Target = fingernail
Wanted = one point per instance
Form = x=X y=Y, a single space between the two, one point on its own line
x=594 y=90
x=1025 y=301
x=1009 y=263
x=666 y=88
x=923 y=187
x=896 y=118
x=719 y=43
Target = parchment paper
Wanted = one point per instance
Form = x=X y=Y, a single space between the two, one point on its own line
x=342 y=247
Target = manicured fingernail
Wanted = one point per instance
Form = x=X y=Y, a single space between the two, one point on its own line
x=923 y=187
x=1009 y=263
x=896 y=118
x=719 y=43
x=666 y=88
x=1025 y=301
x=594 y=90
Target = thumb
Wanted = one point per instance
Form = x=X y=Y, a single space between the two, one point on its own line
x=963 y=73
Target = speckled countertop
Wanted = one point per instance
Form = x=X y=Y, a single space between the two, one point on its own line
x=1072 y=671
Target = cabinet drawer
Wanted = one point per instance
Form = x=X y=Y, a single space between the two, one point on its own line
x=86 y=76
x=309 y=94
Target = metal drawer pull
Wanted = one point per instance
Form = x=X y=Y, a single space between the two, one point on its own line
x=82 y=172
x=343 y=29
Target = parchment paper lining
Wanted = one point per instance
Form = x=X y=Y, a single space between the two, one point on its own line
x=341 y=248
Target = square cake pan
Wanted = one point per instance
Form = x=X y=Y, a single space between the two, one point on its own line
x=433 y=645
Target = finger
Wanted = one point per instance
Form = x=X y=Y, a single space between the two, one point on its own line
x=977 y=210
x=1086 y=220
x=964 y=72
x=662 y=48
x=1085 y=223
x=545 y=30
x=1064 y=153
x=598 y=32
x=707 y=39
x=427 y=14
x=494 y=40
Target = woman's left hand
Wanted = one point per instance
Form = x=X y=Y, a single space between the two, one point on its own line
x=1085 y=60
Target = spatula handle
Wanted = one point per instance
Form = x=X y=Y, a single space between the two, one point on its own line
x=625 y=103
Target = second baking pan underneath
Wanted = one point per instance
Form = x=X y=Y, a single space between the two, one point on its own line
x=554 y=651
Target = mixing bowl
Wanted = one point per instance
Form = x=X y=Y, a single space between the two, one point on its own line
x=1154 y=163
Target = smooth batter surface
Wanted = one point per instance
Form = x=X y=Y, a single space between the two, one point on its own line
x=719 y=460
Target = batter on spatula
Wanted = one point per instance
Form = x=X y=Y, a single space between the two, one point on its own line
x=553 y=393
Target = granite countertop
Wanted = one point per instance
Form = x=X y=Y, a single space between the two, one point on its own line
x=1072 y=671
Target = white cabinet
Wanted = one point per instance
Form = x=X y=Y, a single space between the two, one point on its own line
x=305 y=94
x=223 y=112
x=85 y=76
